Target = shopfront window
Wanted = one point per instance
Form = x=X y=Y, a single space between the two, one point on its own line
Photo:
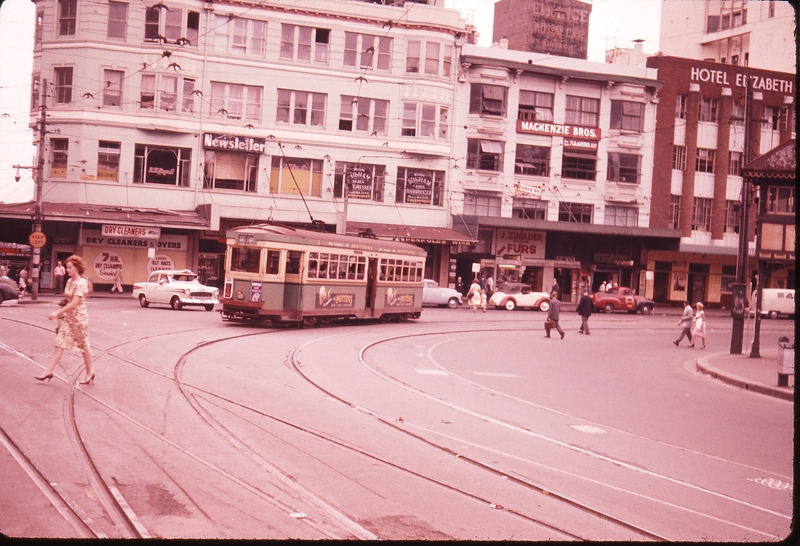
x=419 y=186
x=162 y=165
x=230 y=171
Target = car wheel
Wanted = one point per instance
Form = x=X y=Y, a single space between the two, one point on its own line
x=176 y=304
x=544 y=306
x=510 y=305
x=772 y=314
x=210 y=307
x=143 y=300
x=452 y=303
x=609 y=308
x=646 y=309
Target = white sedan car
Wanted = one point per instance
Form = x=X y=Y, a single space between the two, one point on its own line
x=511 y=295
x=176 y=289
x=433 y=294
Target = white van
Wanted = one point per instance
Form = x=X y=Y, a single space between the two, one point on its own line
x=777 y=301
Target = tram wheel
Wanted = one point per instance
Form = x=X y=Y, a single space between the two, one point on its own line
x=308 y=321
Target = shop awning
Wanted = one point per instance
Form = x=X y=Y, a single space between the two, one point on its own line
x=76 y=212
x=411 y=234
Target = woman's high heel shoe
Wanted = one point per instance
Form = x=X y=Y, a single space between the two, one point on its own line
x=47 y=377
x=91 y=378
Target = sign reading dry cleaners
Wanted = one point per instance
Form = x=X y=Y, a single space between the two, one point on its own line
x=233 y=143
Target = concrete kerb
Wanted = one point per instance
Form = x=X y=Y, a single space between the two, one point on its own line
x=741 y=382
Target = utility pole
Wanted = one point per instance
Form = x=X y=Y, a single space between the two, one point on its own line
x=740 y=287
x=36 y=238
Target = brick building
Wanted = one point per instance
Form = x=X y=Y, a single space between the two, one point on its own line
x=700 y=150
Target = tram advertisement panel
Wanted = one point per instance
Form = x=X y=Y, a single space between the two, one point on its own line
x=393 y=299
x=328 y=299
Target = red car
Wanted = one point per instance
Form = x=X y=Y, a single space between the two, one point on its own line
x=623 y=299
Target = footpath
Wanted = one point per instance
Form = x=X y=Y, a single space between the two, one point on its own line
x=740 y=370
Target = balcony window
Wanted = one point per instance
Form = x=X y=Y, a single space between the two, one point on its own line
x=235 y=101
x=532 y=160
x=535 y=106
x=709 y=109
x=627 y=115
x=680 y=106
x=580 y=213
x=705 y=160
x=305 y=44
x=484 y=155
x=477 y=204
x=112 y=90
x=364 y=51
x=165 y=165
x=167 y=25
x=296 y=176
x=108 y=160
x=294 y=106
x=67 y=17
x=579 y=165
x=488 y=99
x=240 y=36
x=679 y=158
x=732 y=216
x=582 y=111
x=363 y=114
x=623 y=168
x=117 y=20
x=735 y=163
x=675 y=211
x=424 y=120
x=230 y=171
x=701 y=214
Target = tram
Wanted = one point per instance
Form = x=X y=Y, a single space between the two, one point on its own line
x=297 y=276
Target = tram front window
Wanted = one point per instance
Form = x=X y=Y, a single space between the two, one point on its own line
x=245 y=259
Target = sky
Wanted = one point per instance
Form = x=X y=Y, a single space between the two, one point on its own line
x=613 y=23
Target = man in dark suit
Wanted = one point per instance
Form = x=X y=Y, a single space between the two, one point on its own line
x=553 y=313
x=585 y=309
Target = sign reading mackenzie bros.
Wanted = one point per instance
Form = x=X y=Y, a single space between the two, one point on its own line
x=557 y=129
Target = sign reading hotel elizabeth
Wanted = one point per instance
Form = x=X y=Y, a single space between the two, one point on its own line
x=233 y=143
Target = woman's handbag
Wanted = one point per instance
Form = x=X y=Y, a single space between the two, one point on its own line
x=63 y=302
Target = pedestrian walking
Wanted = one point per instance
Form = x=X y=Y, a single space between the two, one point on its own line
x=59 y=271
x=489 y=285
x=685 y=323
x=73 y=332
x=23 y=282
x=484 y=301
x=117 y=280
x=554 y=288
x=552 y=316
x=585 y=309
x=474 y=295
x=699 y=325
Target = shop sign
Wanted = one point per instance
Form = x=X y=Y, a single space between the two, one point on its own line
x=159 y=262
x=95 y=237
x=516 y=242
x=759 y=83
x=526 y=190
x=580 y=144
x=106 y=264
x=134 y=232
x=419 y=187
x=615 y=259
x=359 y=181
x=233 y=143
x=557 y=129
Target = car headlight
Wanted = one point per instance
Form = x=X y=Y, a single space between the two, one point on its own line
x=188 y=292
x=215 y=293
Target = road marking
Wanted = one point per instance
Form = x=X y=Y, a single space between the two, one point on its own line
x=771 y=483
x=430 y=372
x=497 y=374
x=589 y=429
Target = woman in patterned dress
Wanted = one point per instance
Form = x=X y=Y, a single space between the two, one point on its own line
x=73 y=332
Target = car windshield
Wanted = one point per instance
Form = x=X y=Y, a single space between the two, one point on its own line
x=183 y=277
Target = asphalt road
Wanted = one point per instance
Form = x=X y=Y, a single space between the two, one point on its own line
x=459 y=425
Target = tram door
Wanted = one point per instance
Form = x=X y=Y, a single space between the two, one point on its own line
x=372 y=276
x=292 y=290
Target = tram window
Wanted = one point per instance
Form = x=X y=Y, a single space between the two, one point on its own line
x=293 y=262
x=323 y=266
x=405 y=272
x=273 y=261
x=383 y=270
x=245 y=259
x=351 y=270
x=362 y=264
x=343 y=267
x=312 y=265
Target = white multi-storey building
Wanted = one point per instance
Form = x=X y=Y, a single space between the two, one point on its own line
x=759 y=33
x=555 y=163
x=195 y=116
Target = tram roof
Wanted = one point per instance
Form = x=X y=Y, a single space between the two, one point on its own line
x=286 y=234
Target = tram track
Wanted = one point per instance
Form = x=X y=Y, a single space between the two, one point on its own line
x=196 y=397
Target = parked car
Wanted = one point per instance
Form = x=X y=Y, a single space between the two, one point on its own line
x=433 y=294
x=176 y=288
x=510 y=295
x=777 y=301
x=624 y=299
x=9 y=290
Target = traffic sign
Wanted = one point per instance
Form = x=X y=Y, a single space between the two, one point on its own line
x=37 y=239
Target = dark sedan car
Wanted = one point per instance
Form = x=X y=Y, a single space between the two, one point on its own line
x=8 y=289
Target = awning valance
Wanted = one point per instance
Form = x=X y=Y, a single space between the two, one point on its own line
x=411 y=234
